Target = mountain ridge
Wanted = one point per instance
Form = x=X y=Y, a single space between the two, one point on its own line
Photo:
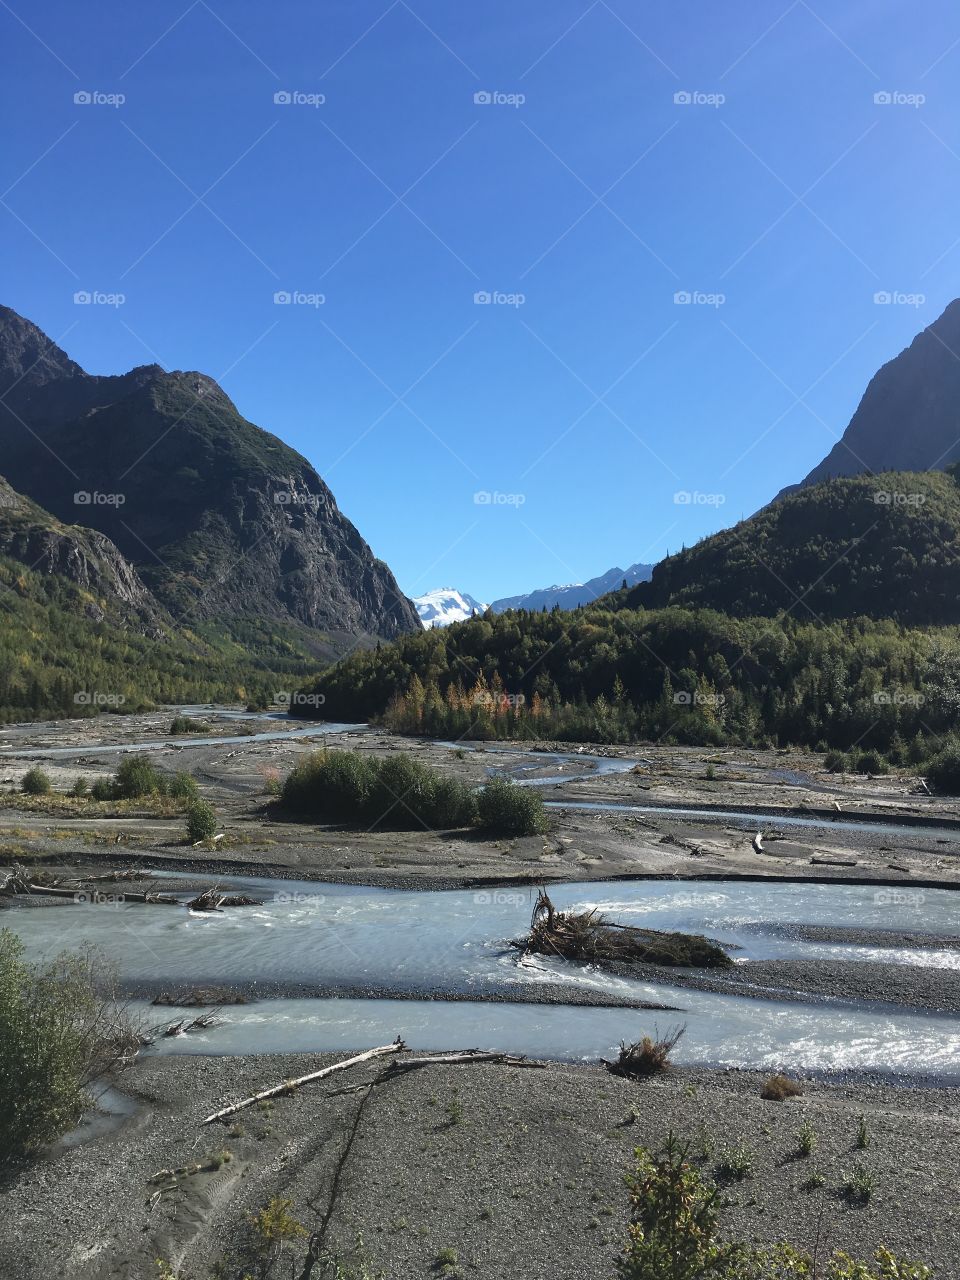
x=222 y=519
x=908 y=418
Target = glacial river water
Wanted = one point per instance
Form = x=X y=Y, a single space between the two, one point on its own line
x=457 y=941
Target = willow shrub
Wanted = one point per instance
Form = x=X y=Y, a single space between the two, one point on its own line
x=56 y=1031
x=397 y=792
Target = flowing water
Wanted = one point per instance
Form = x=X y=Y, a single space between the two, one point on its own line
x=457 y=942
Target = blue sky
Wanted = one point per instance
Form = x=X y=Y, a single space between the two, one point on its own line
x=582 y=195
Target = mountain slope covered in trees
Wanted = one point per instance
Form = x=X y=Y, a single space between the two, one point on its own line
x=885 y=546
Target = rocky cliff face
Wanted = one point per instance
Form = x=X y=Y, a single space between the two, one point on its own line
x=909 y=417
x=222 y=520
x=108 y=586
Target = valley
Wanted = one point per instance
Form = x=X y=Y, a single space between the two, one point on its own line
x=836 y=896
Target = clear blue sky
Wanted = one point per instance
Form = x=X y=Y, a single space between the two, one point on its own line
x=599 y=197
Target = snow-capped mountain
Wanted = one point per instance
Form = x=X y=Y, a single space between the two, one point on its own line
x=440 y=608
x=572 y=594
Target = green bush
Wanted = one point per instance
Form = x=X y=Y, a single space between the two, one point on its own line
x=79 y=788
x=36 y=782
x=101 y=790
x=943 y=771
x=835 y=762
x=186 y=724
x=398 y=792
x=871 y=762
x=55 y=1033
x=334 y=785
x=674 y=1234
x=503 y=808
x=201 y=820
x=182 y=787
x=138 y=776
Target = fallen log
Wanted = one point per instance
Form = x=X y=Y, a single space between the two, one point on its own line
x=288 y=1085
x=758 y=842
x=467 y=1055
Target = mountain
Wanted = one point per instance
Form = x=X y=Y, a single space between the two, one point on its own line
x=578 y=593
x=883 y=546
x=224 y=523
x=80 y=565
x=440 y=608
x=80 y=632
x=909 y=417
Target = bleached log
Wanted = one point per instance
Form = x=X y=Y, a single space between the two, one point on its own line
x=285 y=1086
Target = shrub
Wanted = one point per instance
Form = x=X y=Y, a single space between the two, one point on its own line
x=101 y=790
x=56 y=1033
x=674 y=1220
x=735 y=1163
x=674 y=1234
x=79 y=788
x=334 y=785
x=806 y=1139
x=871 y=762
x=503 y=808
x=943 y=771
x=186 y=724
x=183 y=787
x=35 y=782
x=835 y=762
x=394 y=792
x=777 y=1088
x=201 y=820
x=646 y=1057
x=138 y=776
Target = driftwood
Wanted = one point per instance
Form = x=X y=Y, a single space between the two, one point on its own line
x=758 y=842
x=287 y=1085
x=467 y=1055
x=80 y=894
x=214 y=900
x=589 y=938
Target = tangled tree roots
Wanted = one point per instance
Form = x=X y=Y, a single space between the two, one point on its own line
x=646 y=1057
x=586 y=936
